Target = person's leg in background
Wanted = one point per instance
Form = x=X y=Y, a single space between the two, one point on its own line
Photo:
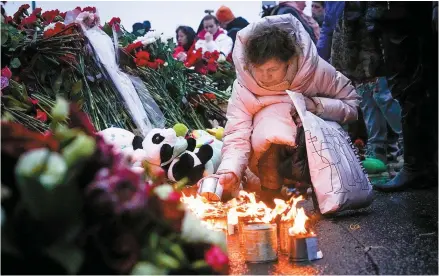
x=375 y=122
x=411 y=58
x=391 y=111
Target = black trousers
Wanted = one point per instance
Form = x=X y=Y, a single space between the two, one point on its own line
x=410 y=45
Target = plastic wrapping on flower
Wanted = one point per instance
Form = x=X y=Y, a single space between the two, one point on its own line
x=105 y=53
x=155 y=115
x=116 y=44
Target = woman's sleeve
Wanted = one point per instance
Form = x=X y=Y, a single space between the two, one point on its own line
x=225 y=45
x=337 y=99
x=237 y=146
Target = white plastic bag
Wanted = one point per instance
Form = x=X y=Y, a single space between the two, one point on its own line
x=104 y=51
x=337 y=175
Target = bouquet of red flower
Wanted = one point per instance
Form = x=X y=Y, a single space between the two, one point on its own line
x=47 y=58
x=72 y=205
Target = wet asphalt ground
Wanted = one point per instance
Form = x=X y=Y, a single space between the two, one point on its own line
x=397 y=234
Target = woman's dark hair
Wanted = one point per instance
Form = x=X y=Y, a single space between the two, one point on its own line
x=210 y=17
x=267 y=42
x=190 y=35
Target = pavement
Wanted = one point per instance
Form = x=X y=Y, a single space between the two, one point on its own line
x=397 y=234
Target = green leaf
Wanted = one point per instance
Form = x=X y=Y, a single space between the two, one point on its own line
x=178 y=252
x=144 y=268
x=77 y=87
x=4 y=36
x=199 y=264
x=108 y=30
x=167 y=261
x=15 y=63
x=67 y=255
x=153 y=240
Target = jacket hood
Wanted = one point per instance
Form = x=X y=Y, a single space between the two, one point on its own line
x=308 y=59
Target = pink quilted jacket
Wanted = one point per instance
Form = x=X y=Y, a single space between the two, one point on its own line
x=258 y=117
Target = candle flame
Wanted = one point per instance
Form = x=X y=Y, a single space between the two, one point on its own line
x=245 y=205
x=299 y=223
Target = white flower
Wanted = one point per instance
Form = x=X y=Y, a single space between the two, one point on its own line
x=165 y=38
x=150 y=40
x=165 y=64
x=146 y=39
x=221 y=58
x=194 y=231
x=157 y=35
x=163 y=191
x=31 y=164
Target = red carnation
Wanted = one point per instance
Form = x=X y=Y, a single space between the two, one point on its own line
x=89 y=9
x=6 y=72
x=217 y=259
x=210 y=96
x=115 y=21
x=202 y=70
x=24 y=7
x=63 y=14
x=36 y=11
x=31 y=19
x=33 y=101
x=142 y=59
x=142 y=55
x=141 y=62
x=51 y=32
x=8 y=19
x=212 y=67
x=178 y=50
x=160 y=62
x=41 y=115
x=193 y=58
x=133 y=46
x=49 y=16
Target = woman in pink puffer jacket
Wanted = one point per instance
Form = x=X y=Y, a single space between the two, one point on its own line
x=271 y=56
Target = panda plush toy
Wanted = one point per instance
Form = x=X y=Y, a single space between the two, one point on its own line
x=123 y=140
x=159 y=147
x=194 y=163
x=179 y=157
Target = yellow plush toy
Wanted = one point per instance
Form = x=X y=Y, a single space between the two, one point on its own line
x=217 y=132
x=180 y=129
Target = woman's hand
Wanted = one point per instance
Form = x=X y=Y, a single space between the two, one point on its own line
x=208 y=37
x=229 y=181
x=310 y=105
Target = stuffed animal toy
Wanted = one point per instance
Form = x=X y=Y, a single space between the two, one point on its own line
x=218 y=132
x=193 y=163
x=127 y=143
x=204 y=138
x=159 y=147
x=162 y=146
x=181 y=130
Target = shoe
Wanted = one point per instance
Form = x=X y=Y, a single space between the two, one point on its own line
x=418 y=169
x=396 y=164
x=403 y=180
